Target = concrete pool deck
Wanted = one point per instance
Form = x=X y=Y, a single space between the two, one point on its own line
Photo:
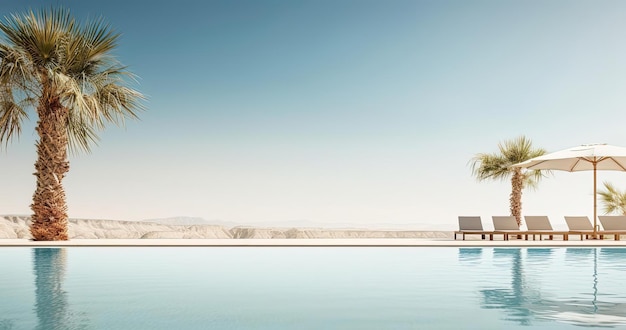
x=318 y=242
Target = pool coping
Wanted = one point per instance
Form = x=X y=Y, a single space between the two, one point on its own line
x=317 y=242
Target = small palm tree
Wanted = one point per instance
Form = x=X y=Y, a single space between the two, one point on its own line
x=65 y=72
x=614 y=200
x=497 y=166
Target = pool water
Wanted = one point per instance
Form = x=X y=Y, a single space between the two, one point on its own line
x=311 y=288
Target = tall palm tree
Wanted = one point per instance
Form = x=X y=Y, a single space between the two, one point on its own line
x=497 y=166
x=613 y=199
x=65 y=71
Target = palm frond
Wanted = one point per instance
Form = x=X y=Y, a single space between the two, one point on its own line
x=99 y=99
x=100 y=37
x=38 y=34
x=490 y=166
x=519 y=149
x=532 y=178
x=13 y=78
x=614 y=200
x=11 y=118
x=81 y=135
x=499 y=165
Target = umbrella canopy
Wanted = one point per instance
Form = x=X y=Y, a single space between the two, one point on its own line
x=587 y=157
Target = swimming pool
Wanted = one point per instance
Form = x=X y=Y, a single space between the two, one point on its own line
x=311 y=288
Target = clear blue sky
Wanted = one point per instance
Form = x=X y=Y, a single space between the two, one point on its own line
x=344 y=111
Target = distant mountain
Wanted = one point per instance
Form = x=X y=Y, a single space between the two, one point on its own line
x=304 y=223
x=179 y=221
x=382 y=225
x=190 y=221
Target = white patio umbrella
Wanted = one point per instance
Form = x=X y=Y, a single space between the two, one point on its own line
x=587 y=157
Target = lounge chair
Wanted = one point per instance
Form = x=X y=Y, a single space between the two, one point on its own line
x=579 y=225
x=506 y=225
x=613 y=225
x=540 y=225
x=472 y=226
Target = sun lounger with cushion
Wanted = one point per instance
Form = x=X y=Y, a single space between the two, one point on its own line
x=506 y=225
x=613 y=225
x=579 y=225
x=472 y=225
x=540 y=225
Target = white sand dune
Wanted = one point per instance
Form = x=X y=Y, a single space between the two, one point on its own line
x=253 y=232
x=17 y=227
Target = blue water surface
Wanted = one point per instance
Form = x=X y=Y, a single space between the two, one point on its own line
x=311 y=288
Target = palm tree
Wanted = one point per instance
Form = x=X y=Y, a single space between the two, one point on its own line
x=65 y=71
x=613 y=199
x=497 y=166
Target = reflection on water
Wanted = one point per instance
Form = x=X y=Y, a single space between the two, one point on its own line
x=579 y=254
x=6 y=325
x=495 y=288
x=616 y=256
x=524 y=301
x=470 y=255
x=51 y=302
x=516 y=300
x=539 y=257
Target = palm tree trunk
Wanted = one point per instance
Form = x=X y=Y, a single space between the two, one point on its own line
x=49 y=221
x=517 y=183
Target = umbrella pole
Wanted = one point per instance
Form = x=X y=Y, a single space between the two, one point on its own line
x=595 y=202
